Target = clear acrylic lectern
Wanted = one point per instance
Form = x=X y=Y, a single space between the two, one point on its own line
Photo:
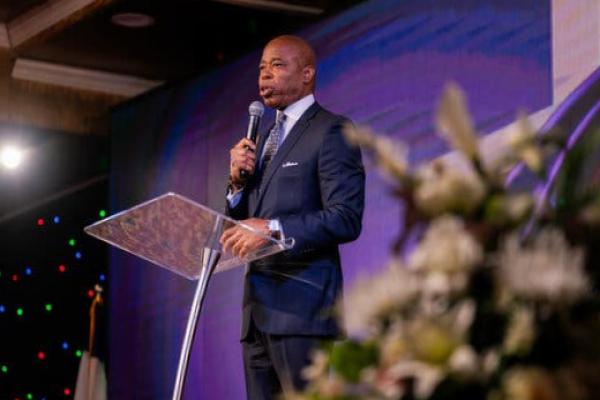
x=182 y=236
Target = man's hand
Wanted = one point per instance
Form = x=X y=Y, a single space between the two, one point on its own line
x=241 y=241
x=242 y=157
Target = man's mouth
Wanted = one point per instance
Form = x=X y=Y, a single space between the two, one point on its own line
x=267 y=91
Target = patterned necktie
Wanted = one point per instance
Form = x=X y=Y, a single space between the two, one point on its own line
x=272 y=143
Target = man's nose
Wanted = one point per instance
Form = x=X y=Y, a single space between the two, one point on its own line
x=265 y=74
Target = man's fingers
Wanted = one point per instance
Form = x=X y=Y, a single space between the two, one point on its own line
x=248 y=166
x=229 y=238
x=247 y=143
x=239 y=246
x=244 y=154
x=226 y=235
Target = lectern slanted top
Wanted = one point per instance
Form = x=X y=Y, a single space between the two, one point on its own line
x=172 y=231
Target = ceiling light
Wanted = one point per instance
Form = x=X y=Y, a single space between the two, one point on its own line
x=132 y=20
x=11 y=157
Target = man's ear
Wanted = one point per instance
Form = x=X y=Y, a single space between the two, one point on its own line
x=308 y=74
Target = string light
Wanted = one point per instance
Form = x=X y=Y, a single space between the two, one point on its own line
x=15 y=278
x=78 y=255
x=102 y=213
x=41 y=355
x=67 y=392
x=4 y=369
x=72 y=242
x=65 y=346
x=29 y=396
x=56 y=219
x=48 y=307
x=40 y=221
x=90 y=293
x=2 y=309
x=62 y=268
x=102 y=277
x=28 y=271
x=78 y=353
x=20 y=312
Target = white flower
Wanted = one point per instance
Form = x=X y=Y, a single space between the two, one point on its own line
x=454 y=122
x=521 y=138
x=548 y=269
x=318 y=366
x=390 y=155
x=464 y=360
x=521 y=332
x=448 y=247
x=379 y=296
x=442 y=189
x=385 y=383
x=508 y=208
x=530 y=383
x=490 y=362
x=426 y=377
x=330 y=386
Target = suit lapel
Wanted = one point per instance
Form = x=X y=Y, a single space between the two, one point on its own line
x=288 y=144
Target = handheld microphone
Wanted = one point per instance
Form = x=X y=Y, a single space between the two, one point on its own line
x=256 y=111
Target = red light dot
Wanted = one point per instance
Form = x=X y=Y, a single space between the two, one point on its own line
x=41 y=355
x=90 y=293
x=15 y=277
x=40 y=221
x=67 y=392
x=62 y=268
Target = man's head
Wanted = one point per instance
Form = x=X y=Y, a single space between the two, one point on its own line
x=286 y=72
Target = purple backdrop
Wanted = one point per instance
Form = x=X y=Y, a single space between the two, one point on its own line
x=383 y=63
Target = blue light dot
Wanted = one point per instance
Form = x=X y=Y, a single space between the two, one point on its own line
x=102 y=277
x=2 y=309
x=78 y=255
x=56 y=219
x=65 y=346
x=28 y=271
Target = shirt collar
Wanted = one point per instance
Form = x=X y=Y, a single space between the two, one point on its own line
x=295 y=110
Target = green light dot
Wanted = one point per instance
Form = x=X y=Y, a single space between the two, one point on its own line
x=20 y=312
x=48 y=307
x=29 y=396
x=102 y=213
x=78 y=353
x=72 y=242
x=4 y=369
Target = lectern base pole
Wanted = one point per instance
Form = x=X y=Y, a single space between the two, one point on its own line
x=210 y=258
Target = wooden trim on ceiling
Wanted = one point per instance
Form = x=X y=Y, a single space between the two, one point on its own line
x=4 y=38
x=81 y=78
x=273 y=5
x=51 y=16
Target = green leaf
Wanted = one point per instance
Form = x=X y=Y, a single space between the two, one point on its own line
x=349 y=358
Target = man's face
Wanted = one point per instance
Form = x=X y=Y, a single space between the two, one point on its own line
x=282 y=80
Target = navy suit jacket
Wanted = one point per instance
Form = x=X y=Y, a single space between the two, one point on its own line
x=314 y=185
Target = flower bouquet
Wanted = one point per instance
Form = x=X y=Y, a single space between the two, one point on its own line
x=494 y=300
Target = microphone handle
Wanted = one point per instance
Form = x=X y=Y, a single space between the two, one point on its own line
x=251 y=134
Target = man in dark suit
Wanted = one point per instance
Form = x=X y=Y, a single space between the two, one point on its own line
x=305 y=183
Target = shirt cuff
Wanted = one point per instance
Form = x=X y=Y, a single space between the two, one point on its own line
x=276 y=229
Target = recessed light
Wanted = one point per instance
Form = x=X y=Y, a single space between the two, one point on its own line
x=132 y=20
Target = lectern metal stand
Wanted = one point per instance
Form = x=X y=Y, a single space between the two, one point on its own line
x=209 y=263
x=182 y=236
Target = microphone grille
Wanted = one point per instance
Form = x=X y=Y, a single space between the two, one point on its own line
x=256 y=109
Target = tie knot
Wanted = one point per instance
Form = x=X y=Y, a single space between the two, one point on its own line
x=280 y=118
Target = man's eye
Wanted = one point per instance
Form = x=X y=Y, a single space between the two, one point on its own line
x=278 y=64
